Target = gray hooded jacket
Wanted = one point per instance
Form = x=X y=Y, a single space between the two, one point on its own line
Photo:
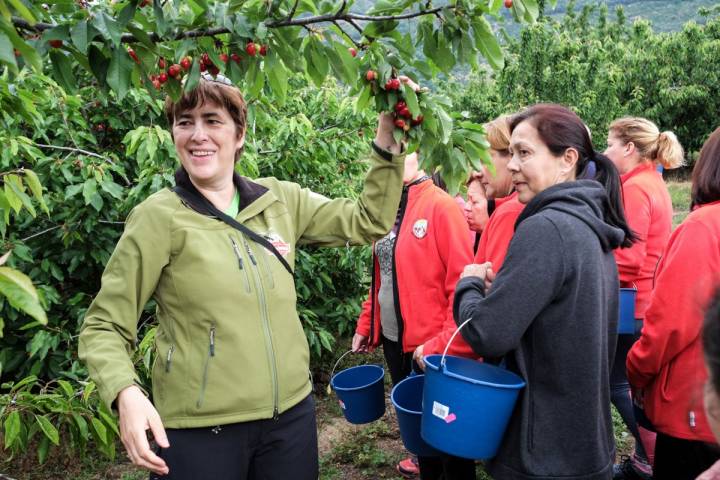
x=552 y=312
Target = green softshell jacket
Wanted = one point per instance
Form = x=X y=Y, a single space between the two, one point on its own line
x=229 y=345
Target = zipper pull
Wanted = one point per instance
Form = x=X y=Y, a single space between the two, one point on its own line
x=212 y=341
x=237 y=252
x=691 y=419
x=276 y=415
x=169 y=358
x=250 y=254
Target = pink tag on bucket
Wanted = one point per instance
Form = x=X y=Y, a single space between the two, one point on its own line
x=450 y=418
x=342 y=404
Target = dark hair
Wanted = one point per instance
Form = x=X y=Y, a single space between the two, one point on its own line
x=706 y=174
x=560 y=128
x=438 y=181
x=711 y=341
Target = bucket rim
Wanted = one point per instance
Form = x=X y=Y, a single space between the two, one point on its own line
x=392 y=395
x=380 y=370
x=520 y=383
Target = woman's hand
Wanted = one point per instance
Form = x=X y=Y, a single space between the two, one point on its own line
x=384 y=138
x=712 y=473
x=359 y=343
x=477 y=270
x=418 y=357
x=137 y=415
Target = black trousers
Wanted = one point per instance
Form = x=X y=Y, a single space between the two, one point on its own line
x=447 y=467
x=257 y=450
x=679 y=459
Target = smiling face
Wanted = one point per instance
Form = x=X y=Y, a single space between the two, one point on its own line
x=533 y=166
x=206 y=141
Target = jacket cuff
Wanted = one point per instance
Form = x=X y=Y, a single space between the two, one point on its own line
x=110 y=393
x=387 y=155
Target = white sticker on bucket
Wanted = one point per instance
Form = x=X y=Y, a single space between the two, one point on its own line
x=440 y=410
x=342 y=404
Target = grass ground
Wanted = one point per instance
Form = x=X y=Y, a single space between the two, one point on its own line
x=347 y=452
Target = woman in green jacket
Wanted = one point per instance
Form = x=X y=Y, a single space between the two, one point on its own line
x=231 y=388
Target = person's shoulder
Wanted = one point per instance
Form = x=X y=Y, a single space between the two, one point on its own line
x=162 y=202
x=544 y=225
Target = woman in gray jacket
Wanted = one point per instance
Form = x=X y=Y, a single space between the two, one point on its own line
x=552 y=310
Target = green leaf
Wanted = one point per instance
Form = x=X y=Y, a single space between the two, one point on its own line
x=411 y=100
x=193 y=77
x=112 y=188
x=161 y=25
x=23 y=11
x=12 y=428
x=62 y=70
x=119 y=72
x=19 y=290
x=48 y=429
x=7 y=54
x=254 y=80
x=32 y=181
x=142 y=36
x=110 y=422
x=89 y=389
x=66 y=388
x=277 y=77
x=488 y=45
x=99 y=429
x=43 y=449
x=15 y=184
x=363 y=99
x=82 y=35
x=99 y=64
x=108 y=28
x=89 y=189
x=28 y=53
x=81 y=424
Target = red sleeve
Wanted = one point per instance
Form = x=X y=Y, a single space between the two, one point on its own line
x=495 y=240
x=684 y=281
x=455 y=251
x=637 y=213
x=363 y=323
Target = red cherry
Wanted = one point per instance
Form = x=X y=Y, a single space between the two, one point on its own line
x=224 y=58
x=370 y=75
x=162 y=78
x=508 y=3
x=56 y=43
x=352 y=51
x=263 y=50
x=205 y=59
x=235 y=58
x=145 y=3
x=162 y=64
x=213 y=70
x=400 y=106
x=156 y=83
x=100 y=127
x=203 y=67
x=389 y=85
x=174 y=70
x=405 y=113
x=399 y=123
x=251 y=49
x=17 y=52
x=417 y=120
x=186 y=63
x=133 y=55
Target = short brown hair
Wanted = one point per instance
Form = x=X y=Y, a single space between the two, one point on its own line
x=226 y=96
x=706 y=174
x=498 y=134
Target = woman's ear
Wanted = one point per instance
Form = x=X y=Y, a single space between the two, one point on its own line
x=629 y=149
x=569 y=161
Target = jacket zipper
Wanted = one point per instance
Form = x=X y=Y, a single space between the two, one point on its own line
x=168 y=359
x=211 y=353
x=241 y=264
x=396 y=294
x=266 y=264
x=266 y=327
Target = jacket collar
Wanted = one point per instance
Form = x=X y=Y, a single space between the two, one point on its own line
x=639 y=169
x=249 y=191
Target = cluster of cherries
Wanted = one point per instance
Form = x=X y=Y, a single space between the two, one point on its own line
x=401 y=113
x=175 y=70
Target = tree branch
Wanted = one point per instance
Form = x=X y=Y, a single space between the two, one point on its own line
x=292 y=11
x=357 y=45
x=84 y=152
x=43 y=232
x=287 y=22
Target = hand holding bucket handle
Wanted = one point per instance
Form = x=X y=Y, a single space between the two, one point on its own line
x=447 y=347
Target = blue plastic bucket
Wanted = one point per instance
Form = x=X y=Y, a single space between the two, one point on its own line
x=407 y=397
x=626 y=320
x=467 y=405
x=361 y=393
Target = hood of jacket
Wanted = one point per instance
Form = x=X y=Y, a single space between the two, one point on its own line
x=585 y=200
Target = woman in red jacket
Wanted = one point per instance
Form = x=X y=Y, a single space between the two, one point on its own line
x=416 y=267
x=497 y=234
x=636 y=146
x=665 y=367
x=711 y=348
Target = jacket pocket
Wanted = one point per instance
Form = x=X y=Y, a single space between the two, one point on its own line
x=210 y=355
x=168 y=358
x=241 y=263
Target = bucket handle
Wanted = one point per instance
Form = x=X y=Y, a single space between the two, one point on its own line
x=447 y=347
x=332 y=373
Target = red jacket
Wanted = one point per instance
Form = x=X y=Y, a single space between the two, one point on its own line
x=648 y=209
x=431 y=249
x=667 y=361
x=495 y=239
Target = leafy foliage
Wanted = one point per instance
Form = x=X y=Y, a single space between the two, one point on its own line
x=604 y=70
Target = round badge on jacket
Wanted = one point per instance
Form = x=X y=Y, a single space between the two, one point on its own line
x=420 y=228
